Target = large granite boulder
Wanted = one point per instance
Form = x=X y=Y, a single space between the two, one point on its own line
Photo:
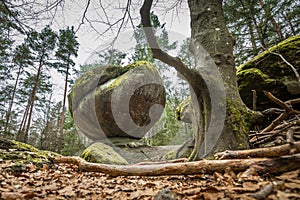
x=115 y=101
x=268 y=71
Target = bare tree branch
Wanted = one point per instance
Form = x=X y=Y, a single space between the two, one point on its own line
x=84 y=15
x=288 y=110
x=289 y=64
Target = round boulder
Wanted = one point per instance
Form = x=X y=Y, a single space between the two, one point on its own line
x=115 y=101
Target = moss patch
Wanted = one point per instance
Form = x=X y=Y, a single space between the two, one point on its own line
x=21 y=153
x=269 y=72
x=241 y=121
x=102 y=153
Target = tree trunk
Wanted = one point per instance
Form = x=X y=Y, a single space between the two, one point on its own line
x=288 y=19
x=250 y=21
x=20 y=134
x=61 y=125
x=256 y=25
x=209 y=31
x=6 y=129
x=32 y=99
x=252 y=37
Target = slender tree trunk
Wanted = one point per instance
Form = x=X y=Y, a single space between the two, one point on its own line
x=32 y=99
x=252 y=37
x=12 y=101
x=62 y=120
x=288 y=20
x=257 y=27
x=269 y=16
x=209 y=31
x=46 y=128
x=20 y=135
x=251 y=29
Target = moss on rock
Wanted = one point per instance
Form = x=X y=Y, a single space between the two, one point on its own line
x=102 y=153
x=269 y=72
x=21 y=153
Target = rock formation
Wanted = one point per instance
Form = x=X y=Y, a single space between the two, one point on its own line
x=268 y=71
x=115 y=101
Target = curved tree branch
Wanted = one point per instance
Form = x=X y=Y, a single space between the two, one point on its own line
x=157 y=52
x=200 y=99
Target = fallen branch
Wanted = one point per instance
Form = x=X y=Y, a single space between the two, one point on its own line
x=270 y=165
x=281 y=150
x=262 y=138
x=288 y=110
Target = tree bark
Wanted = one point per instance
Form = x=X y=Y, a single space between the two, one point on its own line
x=11 y=102
x=209 y=31
x=276 y=151
x=207 y=91
x=251 y=29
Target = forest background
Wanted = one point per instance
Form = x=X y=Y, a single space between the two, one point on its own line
x=33 y=50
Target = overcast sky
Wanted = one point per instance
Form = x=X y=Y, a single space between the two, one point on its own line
x=90 y=35
x=177 y=22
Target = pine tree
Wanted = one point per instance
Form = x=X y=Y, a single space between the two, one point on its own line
x=21 y=59
x=41 y=46
x=257 y=25
x=67 y=48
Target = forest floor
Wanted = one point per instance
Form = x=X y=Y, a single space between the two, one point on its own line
x=47 y=180
x=66 y=181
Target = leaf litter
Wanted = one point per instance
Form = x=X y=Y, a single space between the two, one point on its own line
x=66 y=181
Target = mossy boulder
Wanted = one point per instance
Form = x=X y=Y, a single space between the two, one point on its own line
x=21 y=153
x=115 y=101
x=268 y=71
x=102 y=153
x=184 y=111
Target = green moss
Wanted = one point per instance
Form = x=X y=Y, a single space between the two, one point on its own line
x=101 y=153
x=269 y=72
x=181 y=107
x=21 y=153
x=171 y=155
x=252 y=73
x=116 y=82
x=241 y=120
x=290 y=44
x=139 y=63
